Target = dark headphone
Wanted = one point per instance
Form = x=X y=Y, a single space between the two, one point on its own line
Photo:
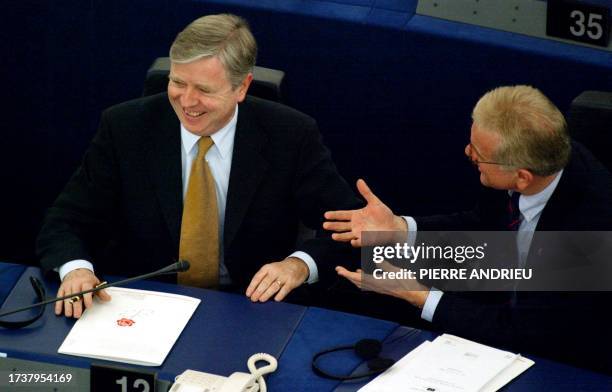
x=368 y=349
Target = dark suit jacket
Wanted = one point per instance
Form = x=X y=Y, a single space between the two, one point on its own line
x=563 y=325
x=122 y=208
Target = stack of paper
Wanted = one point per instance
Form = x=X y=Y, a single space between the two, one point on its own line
x=450 y=364
x=136 y=326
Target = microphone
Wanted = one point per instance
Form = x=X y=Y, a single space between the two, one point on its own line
x=179 y=266
x=182 y=265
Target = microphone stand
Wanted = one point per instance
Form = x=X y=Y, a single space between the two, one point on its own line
x=179 y=266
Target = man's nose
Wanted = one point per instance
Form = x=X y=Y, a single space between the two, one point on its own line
x=468 y=151
x=189 y=98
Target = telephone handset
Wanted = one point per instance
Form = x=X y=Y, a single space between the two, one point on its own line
x=193 y=381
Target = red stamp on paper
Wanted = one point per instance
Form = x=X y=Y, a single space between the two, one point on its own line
x=125 y=322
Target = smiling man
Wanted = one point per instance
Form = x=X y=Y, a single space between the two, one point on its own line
x=203 y=173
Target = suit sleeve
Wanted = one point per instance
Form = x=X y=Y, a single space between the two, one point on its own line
x=488 y=214
x=78 y=223
x=466 y=220
x=318 y=188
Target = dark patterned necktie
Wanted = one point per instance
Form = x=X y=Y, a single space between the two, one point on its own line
x=513 y=219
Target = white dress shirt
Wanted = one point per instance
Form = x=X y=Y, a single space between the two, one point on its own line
x=219 y=159
x=531 y=207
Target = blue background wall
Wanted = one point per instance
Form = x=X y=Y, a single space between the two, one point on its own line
x=392 y=90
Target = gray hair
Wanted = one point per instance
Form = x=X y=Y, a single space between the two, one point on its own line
x=225 y=36
x=533 y=131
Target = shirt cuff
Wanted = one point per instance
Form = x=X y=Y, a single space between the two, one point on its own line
x=412 y=229
x=72 y=265
x=431 y=303
x=313 y=272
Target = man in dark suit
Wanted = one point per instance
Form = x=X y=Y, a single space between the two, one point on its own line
x=202 y=173
x=520 y=145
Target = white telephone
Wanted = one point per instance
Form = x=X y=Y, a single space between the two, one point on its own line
x=193 y=381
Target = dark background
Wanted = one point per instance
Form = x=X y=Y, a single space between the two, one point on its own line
x=392 y=91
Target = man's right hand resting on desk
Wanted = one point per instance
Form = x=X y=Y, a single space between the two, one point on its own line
x=75 y=281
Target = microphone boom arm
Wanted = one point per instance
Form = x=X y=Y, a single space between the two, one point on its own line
x=179 y=266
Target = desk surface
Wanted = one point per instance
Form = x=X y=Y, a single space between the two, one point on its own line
x=223 y=324
x=228 y=323
x=9 y=274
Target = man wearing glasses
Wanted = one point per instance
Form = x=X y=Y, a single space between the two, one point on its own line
x=534 y=178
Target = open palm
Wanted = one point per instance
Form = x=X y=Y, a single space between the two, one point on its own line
x=349 y=225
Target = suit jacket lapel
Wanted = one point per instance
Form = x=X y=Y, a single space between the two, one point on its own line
x=164 y=160
x=248 y=168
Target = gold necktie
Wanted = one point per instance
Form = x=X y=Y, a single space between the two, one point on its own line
x=200 y=225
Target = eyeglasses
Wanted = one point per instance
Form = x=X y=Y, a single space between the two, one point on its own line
x=476 y=161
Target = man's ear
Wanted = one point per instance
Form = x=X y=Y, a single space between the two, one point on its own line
x=524 y=179
x=244 y=87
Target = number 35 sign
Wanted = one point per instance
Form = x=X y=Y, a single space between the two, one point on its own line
x=578 y=22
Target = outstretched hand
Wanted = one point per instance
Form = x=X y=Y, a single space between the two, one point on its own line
x=409 y=290
x=348 y=225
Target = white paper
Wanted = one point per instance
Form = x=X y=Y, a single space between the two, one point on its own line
x=514 y=370
x=391 y=379
x=450 y=364
x=136 y=326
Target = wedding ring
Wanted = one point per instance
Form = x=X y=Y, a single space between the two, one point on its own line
x=279 y=283
x=74 y=299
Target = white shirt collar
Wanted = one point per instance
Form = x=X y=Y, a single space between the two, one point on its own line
x=223 y=138
x=532 y=205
